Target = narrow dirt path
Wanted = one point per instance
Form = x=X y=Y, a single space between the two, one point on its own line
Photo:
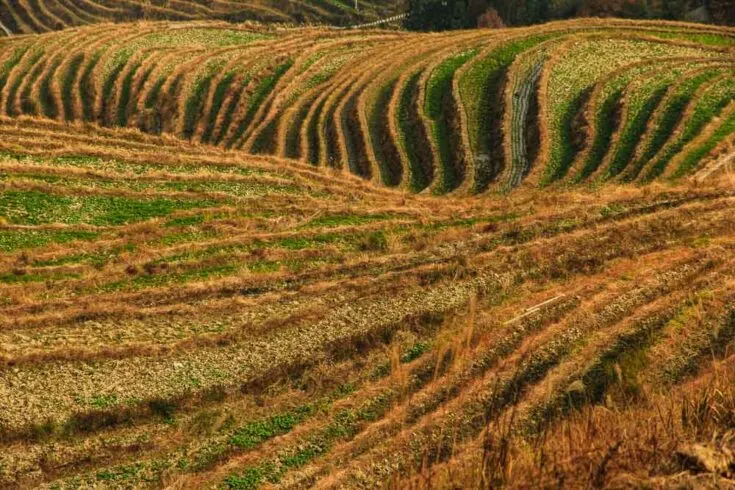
x=387 y=20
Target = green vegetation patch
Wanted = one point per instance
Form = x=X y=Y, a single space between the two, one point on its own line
x=344 y=425
x=412 y=136
x=480 y=89
x=706 y=108
x=96 y=259
x=218 y=99
x=37 y=208
x=16 y=278
x=332 y=221
x=155 y=280
x=10 y=63
x=670 y=116
x=438 y=107
x=123 y=167
x=261 y=92
x=708 y=39
x=12 y=240
x=254 y=433
x=204 y=37
x=697 y=154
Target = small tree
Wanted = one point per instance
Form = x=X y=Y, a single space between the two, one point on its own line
x=491 y=19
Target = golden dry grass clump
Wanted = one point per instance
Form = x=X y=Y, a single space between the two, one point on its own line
x=224 y=263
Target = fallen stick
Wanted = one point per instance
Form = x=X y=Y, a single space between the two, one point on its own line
x=5 y=29
x=534 y=309
x=724 y=162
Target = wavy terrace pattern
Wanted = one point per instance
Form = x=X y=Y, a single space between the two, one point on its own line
x=224 y=265
x=37 y=16
x=457 y=113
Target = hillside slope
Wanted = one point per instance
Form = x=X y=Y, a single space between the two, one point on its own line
x=35 y=16
x=174 y=316
x=464 y=111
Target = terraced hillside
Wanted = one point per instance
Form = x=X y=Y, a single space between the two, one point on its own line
x=459 y=112
x=177 y=316
x=36 y=16
x=224 y=264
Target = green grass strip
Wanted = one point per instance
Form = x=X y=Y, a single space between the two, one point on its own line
x=261 y=92
x=707 y=108
x=437 y=106
x=632 y=134
x=13 y=240
x=411 y=134
x=669 y=119
x=696 y=155
x=37 y=208
x=480 y=89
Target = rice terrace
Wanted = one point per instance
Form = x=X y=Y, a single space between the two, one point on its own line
x=245 y=246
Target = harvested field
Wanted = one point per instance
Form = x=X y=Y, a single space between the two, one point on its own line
x=277 y=258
